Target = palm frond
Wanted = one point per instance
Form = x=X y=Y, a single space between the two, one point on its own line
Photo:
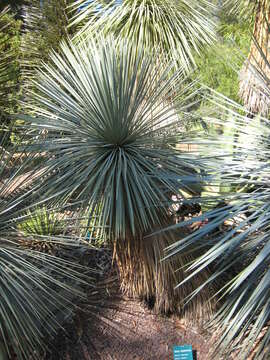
x=38 y=294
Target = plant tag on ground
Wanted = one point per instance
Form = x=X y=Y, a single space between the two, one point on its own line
x=182 y=352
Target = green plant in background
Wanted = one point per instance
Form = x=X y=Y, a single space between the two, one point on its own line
x=177 y=28
x=13 y=4
x=42 y=221
x=217 y=70
x=111 y=117
x=45 y=25
x=218 y=66
x=10 y=68
x=42 y=225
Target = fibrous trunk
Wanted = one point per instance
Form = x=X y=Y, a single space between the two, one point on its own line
x=143 y=274
x=256 y=70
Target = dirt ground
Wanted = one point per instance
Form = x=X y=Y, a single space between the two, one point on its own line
x=110 y=326
x=126 y=330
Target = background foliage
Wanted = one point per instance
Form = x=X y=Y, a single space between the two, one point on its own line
x=218 y=66
x=10 y=49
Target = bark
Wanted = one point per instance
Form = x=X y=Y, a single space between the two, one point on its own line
x=143 y=275
x=255 y=74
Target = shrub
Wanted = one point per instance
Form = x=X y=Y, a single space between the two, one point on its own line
x=111 y=117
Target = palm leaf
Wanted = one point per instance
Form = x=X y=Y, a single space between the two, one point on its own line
x=38 y=290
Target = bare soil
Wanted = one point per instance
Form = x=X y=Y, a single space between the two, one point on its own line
x=126 y=330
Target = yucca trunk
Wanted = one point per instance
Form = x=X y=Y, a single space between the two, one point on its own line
x=251 y=91
x=144 y=275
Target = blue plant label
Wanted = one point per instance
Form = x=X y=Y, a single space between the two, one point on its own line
x=182 y=352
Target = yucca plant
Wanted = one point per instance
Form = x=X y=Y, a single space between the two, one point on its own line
x=110 y=119
x=38 y=291
x=42 y=221
x=234 y=240
x=179 y=28
x=41 y=225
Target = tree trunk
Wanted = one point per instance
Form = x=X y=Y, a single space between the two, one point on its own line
x=143 y=275
x=255 y=74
